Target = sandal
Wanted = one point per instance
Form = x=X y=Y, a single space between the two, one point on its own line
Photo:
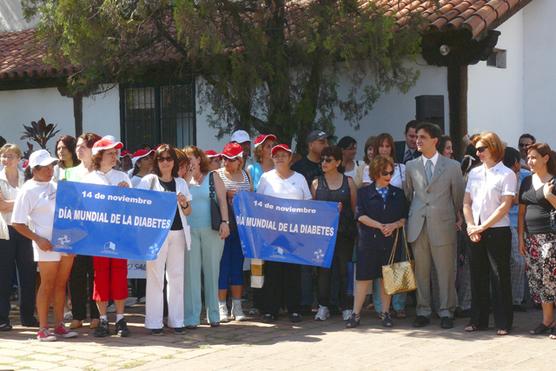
x=552 y=333
x=541 y=329
x=471 y=328
x=502 y=332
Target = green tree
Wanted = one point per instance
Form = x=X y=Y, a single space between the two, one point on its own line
x=270 y=65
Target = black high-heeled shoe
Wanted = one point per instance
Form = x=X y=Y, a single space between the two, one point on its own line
x=353 y=321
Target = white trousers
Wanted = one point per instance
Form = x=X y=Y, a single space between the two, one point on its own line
x=170 y=259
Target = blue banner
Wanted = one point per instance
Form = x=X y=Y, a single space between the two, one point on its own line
x=110 y=221
x=289 y=231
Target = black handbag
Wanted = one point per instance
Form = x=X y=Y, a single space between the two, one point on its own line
x=215 y=216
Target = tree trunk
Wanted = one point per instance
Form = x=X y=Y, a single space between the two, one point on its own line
x=457 y=97
x=78 y=114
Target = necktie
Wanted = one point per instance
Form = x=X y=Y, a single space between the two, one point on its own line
x=407 y=156
x=428 y=170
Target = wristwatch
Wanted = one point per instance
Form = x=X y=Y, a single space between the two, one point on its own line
x=225 y=221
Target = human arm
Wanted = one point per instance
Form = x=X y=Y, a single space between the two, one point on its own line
x=548 y=193
x=314 y=186
x=521 y=228
x=6 y=206
x=352 y=193
x=468 y=215
x=184 y=197
x=224 y=230
x=41 y=242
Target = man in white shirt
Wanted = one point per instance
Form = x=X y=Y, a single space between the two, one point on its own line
x=434 y=186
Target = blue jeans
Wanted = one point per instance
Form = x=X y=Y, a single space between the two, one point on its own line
x=398 y=300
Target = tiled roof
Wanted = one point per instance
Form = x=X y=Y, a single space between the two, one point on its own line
x=22 y=55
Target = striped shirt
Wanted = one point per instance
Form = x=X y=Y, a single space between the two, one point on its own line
x=232 y=185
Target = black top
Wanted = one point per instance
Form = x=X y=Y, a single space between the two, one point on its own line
x=323 y=192
x=309 y=169
x=171 y=187
x=538 y=212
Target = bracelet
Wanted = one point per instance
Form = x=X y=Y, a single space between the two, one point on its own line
x=225 y=221
x=185 y=207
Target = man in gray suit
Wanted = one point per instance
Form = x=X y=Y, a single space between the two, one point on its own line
x=434 y=186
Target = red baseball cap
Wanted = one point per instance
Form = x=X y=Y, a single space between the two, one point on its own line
x=125 y=152
x=106 y=143
x=261 y=138
x=212 y=153
x=280 y=147
x=140 y=153
x=232 y=151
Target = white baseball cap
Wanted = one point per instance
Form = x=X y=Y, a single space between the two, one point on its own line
x=240 y=136
x=41 y=158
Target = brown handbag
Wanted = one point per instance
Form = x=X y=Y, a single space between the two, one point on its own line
x=399 y=277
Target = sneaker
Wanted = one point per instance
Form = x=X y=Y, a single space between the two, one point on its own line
x=156 y=331
x=269 y=318
x=62 y=331
x=130 y=301
x=353 y=321
x=296 y=317
x=386 y=319
x=102 y=330
x=237 y=311
x=346 y=314
x=322 y=314
x=45 y=335
x=223 y=308
x=6 y=326
x=121 y=328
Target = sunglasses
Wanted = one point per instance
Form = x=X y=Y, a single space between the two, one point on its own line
x=481 y=149
x=162 y=159
x=327 y=159
x=386 y=173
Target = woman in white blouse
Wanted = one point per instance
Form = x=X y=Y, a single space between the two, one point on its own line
x=15 y=249
x=488 y=198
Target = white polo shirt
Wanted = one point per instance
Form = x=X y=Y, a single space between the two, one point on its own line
x=294 y=188
x=487 y=187
x=113 y=177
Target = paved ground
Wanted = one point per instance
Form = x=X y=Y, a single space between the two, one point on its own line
x=310 y=345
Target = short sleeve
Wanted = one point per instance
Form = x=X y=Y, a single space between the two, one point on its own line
x=304 y=187
x=509 y=184
x=262 y=184
x=22 y=208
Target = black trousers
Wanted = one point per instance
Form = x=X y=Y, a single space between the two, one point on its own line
x=81 y=288
x=282 y=285
x=343 y=252
x=17 y=252
x=490 y=267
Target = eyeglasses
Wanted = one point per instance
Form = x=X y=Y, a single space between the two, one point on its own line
x=481 y=149
x=167 y=159
x=387 y=173
x=327 y=159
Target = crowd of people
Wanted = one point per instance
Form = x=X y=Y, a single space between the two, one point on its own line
x=482 y=231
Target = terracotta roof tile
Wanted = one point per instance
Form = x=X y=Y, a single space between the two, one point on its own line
x=22 y=55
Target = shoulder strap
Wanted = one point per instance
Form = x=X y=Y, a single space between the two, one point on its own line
x=152 y=183
x=212 y=192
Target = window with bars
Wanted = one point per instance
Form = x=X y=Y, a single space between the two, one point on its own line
x=158 y=114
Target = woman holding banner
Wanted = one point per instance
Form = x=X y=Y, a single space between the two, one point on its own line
x=15 y=249
x=34 y=205
x=110 y=282
x=381 y=210
x=172 y=253
x=81 y=278
x=336 y=187
x=231 y=265
x=282 y=280
x=206 y=244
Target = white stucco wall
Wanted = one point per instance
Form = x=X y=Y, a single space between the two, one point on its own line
x=539 y=72
x=495 y=96
x=17 y=107
x=11 y=16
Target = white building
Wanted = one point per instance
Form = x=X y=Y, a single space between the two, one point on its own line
x=509 y=98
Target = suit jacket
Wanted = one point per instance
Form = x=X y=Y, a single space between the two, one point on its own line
x=437 y=202
x=400 y=152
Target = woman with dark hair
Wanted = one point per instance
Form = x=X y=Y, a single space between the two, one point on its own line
x=445 y=147
x=206 y=244
x=81 y=278
x=348 y=145
x=488 y=197
x=172 y=253
x=65 y=150
x=368 y=154
x=16 y=250
x=336 y=187
x=142 y=161
x=537 y=232
x=34 y=206
x=383 y=145
x=231 y=265
x=110 y=274
x=381 y=210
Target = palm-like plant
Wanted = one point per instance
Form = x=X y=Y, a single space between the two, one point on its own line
x=40 y=132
